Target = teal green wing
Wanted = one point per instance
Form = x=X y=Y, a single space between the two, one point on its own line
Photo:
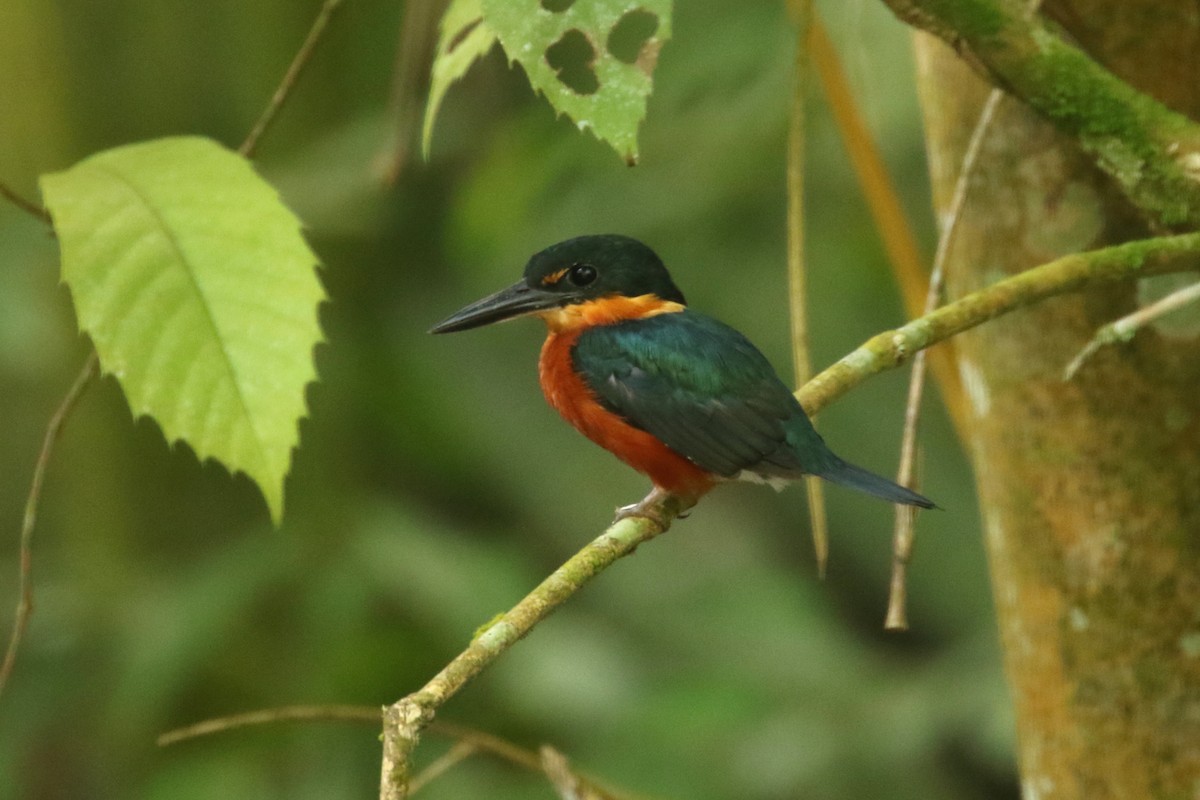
x=708 y=394
x=704 y=390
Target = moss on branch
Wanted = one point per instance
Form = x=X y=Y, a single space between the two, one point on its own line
x=891 y=348
x=404 y=720
x=1151 y=152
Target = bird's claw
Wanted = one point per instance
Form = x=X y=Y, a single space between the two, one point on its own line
x=655 y=515
x=651 y=508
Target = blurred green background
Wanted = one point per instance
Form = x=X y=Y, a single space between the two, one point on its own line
x=433 y=487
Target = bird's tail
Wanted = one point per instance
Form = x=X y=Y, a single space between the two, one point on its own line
x=846 y=474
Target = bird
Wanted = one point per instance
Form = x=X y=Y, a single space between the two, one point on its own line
x=678 y=395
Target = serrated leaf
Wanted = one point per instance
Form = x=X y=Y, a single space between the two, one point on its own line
x=465 y=38
x=611 y=101
x=200 y=294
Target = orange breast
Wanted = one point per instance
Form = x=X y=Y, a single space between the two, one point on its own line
x=572 y=398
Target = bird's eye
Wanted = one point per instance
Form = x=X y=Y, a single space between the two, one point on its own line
x=581 y=274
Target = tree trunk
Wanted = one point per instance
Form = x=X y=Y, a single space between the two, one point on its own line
x=1090 y=488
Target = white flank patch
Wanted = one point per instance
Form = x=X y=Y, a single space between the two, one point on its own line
x=774 y=481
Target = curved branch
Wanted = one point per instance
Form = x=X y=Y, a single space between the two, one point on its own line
x=404 y=720
x=1153 y=153
x=1137 y=259
x=266 y=716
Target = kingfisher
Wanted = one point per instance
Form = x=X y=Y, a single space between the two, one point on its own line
x=679 y=396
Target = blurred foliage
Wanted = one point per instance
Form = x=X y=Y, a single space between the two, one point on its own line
x=433 y=487
x=463 y=39
x=593 y=61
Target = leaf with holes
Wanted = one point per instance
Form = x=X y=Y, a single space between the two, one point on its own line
x=465 y=38
x=592 y=59
x=197 y=288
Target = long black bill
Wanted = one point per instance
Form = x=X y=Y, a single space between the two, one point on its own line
x=515 y=301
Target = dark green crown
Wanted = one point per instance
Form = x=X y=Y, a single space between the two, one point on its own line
x=601 y=265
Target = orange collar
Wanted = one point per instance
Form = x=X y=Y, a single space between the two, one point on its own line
x=606 y=311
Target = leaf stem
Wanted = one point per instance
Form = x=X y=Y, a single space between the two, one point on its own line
x=28 y=206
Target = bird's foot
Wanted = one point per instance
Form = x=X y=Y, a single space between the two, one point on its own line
x=654 y=508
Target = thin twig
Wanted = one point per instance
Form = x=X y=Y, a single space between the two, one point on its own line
x=458 y=752
x=567 y=783
x=488 y=743
x=1126 y=327
x=267 y=716
x=1137 y=259
x=342 y=713
x=485 y=742
x=345 y=713
x=906 y=516
x=28 y=206
x=802 y=17
x=557 y=769
x=290 y=77
x=903 y=537
x=25 y=579
x=405 y=719
x=478 y=741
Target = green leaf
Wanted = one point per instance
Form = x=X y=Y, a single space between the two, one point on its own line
x=465 y=38
x=593 y=59
x=197 y=288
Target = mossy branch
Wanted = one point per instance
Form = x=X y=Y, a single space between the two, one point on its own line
x=1124 y=329
x=1151 y=152
x=1136 y=259
x=404 y=720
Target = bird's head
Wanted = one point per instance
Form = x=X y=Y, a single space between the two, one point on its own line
x=578 y=272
